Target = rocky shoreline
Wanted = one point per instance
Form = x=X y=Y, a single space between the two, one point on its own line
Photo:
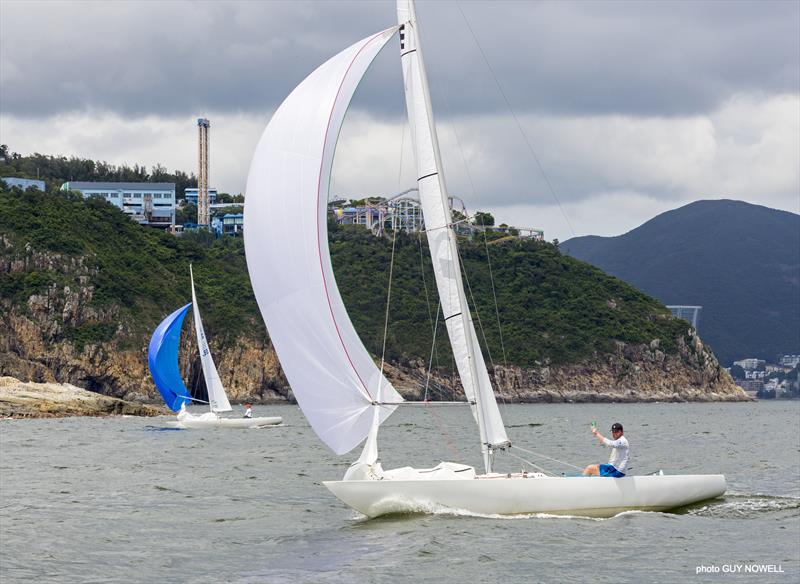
x=36 y=344
x=19 y=399
x=631 y=373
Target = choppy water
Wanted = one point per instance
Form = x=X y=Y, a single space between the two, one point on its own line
x=125 y=500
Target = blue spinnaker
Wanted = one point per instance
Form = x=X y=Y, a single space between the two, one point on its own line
x=162 y=356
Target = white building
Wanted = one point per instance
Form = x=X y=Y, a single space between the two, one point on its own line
x=147 y=203
x=750 y=364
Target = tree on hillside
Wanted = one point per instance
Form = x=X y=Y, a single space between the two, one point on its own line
x=230 y=199
x=55 y=170
x=483 y=218
x=186 y=214
x=737 y=372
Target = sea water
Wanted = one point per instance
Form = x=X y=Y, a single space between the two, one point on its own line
x=128 y=499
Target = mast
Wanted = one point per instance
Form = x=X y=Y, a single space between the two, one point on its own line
x=442 y=238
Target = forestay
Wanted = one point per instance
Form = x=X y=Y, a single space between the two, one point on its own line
x=162 y=357
x=216 y=393
x=330 y=371
x=442 y=239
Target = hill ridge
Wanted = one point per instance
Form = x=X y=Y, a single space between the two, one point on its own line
x=738 y=260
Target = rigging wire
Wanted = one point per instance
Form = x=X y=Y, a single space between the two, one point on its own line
x=391 y=265
x=433 y=349
x=497 y=314
x=540 y=455
x=516 y=120
x=435 y=324
x=428 y=302
x=386 y=316
x=494 y=295
x=534 y=465
x=491 y=274
x=447 y=439
x=475 y=306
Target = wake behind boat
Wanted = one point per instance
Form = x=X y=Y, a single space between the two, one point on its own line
x=342 y=392
x=163 y=361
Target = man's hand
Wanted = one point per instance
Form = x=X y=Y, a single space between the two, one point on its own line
x=594 y=431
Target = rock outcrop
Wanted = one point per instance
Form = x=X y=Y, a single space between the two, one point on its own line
x=632 y=373
x=60 y=335
x=56 y=400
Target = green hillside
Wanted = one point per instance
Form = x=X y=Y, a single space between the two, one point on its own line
x=551 y=307
x=143 y=271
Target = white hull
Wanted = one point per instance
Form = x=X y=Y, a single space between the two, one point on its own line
x=515 y=495
x=210 y=420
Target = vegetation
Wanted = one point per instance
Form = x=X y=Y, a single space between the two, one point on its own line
x=186 y=214
x=552 y=308
x=230 y=199
x=55 y=170
x=143 y=271
x=483 y=219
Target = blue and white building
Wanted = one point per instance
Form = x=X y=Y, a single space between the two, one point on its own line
x=233 y=224
x=146 y=203
x=190 y=195
x=23 y=183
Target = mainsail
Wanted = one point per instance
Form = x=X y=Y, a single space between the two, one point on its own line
x=442 y=238
x=333 y=377
x=216 y=393
x=162 y=357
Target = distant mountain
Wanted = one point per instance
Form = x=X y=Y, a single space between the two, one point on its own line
x=740 y=262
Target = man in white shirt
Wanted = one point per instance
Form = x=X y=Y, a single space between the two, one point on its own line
x=248 y=411
x=619 y=455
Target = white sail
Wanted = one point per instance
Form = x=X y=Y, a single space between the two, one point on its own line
x=333 y=377
x=216 y=393
x=442 y=239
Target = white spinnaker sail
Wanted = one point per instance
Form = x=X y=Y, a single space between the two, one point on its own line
x=330 y=371
x=216 y=393
x=441 y=238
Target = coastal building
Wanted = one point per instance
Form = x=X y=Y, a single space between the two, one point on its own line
x=777 y=368
x=146 y=203
x=750 y=364
x=191 y=194
x=751 y=386
x=23 y=183
x=690 y=314
x=232 y=224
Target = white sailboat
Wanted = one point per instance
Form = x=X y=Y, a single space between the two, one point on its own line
x=342 y=393
x=163 y=361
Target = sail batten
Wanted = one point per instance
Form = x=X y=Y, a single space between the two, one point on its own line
x=333 y=377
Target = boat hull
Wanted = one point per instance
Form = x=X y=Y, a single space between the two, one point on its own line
x=207 y=421
x=516 y=495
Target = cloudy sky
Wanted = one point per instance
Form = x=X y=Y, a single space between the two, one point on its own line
x=630 y=108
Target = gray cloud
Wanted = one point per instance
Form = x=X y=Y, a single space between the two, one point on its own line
x=174 y=58
x=633 y=107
